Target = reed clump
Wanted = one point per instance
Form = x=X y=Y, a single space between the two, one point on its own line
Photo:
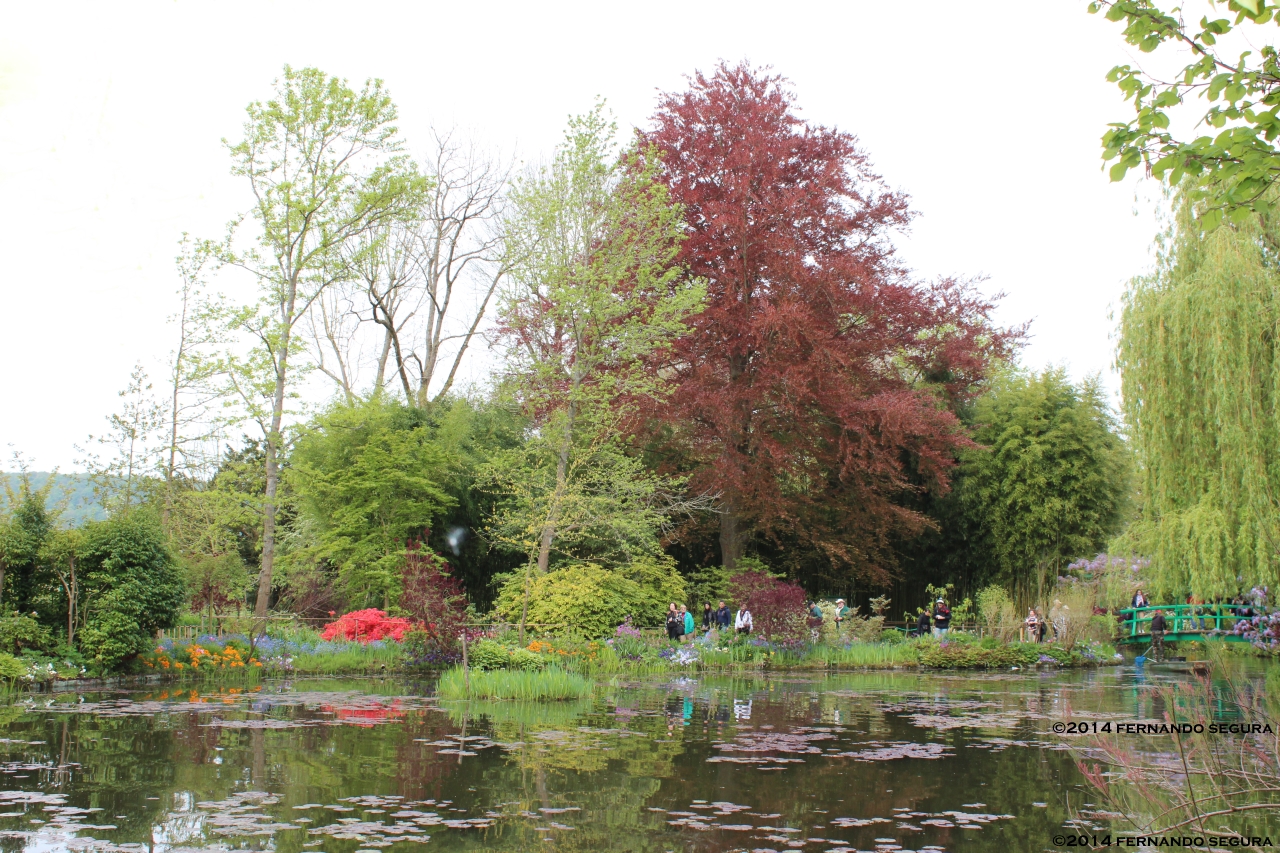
x=542 y=685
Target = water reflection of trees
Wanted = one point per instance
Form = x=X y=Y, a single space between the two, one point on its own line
x=612 y=759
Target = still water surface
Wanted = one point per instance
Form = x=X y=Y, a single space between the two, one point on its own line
x=919 y=761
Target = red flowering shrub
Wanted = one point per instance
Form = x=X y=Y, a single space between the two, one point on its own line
x=777 y=607
x=367 y=626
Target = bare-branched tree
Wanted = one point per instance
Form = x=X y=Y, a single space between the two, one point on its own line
x=425 y=285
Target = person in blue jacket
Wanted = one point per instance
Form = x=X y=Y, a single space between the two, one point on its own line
x=688 y=621
x=724 y=618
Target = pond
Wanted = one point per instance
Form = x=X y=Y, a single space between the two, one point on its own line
x=886 y=761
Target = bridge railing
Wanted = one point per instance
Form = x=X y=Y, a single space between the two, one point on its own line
x=1183 y=618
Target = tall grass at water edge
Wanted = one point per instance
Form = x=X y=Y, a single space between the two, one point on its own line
x=512 y=684
x=351 y=658
x=870 y=655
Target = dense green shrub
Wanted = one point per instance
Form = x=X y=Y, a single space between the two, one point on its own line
x=488 y=654
x=584 y=598
x=132 y=586
x=19 y=634
x=525 y=660
x=659 y=584
x=111 y=638
x=491 y=655
x=11 y=668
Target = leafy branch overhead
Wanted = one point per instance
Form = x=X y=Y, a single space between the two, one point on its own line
x=1232 y=149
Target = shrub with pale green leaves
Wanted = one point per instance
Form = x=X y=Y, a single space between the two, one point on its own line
x=487 y=654
x=527 y=661
x=587 y=600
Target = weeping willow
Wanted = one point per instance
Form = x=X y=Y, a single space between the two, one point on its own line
x=1200 y=379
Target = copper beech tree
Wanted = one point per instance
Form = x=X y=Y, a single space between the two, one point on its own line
x=817 y=388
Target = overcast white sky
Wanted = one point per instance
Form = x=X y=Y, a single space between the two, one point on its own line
x=111 y=118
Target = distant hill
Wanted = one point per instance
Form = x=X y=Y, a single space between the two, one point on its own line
x=73 y=492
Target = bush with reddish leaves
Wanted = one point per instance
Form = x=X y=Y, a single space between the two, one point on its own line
x=435 y=600
x=365 y=626
x=777 y=607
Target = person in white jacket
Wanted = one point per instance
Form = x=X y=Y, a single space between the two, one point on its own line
x=742 y=621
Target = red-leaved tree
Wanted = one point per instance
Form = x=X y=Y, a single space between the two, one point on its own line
x=816 y=389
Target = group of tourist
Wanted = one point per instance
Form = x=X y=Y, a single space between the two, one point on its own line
x=680 y=622
x=935 y=620
x=1035 y=627
x=1203 y=615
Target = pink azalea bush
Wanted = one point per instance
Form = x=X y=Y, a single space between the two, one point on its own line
x=366 y=626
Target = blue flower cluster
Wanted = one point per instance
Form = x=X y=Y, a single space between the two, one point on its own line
x=271 y=646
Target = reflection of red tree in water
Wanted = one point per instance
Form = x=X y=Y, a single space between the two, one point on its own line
x=366 y=716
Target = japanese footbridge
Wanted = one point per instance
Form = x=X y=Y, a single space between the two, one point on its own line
x=1185 y=623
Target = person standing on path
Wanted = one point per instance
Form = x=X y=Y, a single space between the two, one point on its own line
x=842 y=613
x=708 y=616
x=742 y=622
x=923 y=622
x=1158 y=628
x=674 y=625
x=941 y=618
x=687 y=622
x=724 y=619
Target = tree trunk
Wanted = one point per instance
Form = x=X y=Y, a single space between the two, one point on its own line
x=380 y=377
x=73 y=596
x=732 y=536
x=562 y=484
x=524 y=609
x=273 y=477
x=732 y=533
x=268 y=533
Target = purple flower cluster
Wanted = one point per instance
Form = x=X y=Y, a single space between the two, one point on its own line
x=627 y=630
x=1262 y=631
x=434 y=659
x=1084 y=571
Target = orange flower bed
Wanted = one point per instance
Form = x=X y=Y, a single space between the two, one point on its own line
x=198 y=659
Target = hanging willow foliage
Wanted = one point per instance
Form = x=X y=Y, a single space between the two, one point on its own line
x=1200 y=381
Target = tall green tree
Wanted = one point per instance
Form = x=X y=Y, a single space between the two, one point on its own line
x=324 y=165
x=23 y=533
x=593 y=290
x=1049 y=482
x=1200 y=376
x=368 y=478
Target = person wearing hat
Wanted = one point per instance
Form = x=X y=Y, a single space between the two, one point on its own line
x=941 y=618
x=842 y=611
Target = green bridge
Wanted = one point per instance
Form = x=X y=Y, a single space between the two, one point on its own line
x=1186 y=623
